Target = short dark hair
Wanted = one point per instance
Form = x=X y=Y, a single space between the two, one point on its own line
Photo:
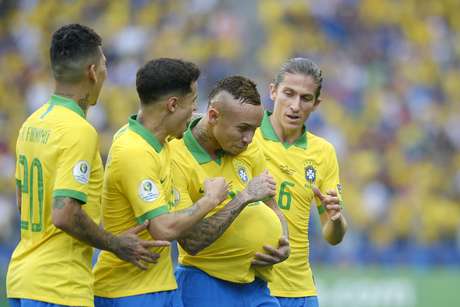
x=73 y=47
x=241 y=88
x=302 y=66
x=165 y=76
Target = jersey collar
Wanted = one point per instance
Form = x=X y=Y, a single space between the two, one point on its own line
x=138 y=128
x=198 y=152
x=269 y=133
x=67 y=103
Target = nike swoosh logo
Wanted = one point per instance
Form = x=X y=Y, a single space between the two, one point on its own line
x=162 y=180
x=201 y=191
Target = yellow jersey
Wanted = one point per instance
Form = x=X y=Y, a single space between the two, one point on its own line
x=137 y=187
x=57 y=156
x=310 y=160
x=229 y=257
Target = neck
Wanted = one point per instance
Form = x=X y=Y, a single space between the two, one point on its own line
x=154 y=122
x=74 y=92
x=201 y=132
x=285 y=135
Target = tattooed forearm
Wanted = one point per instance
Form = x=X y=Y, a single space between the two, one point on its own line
x=211 y=228
x=70 y=217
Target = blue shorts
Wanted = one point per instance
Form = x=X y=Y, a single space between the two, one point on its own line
x=23 y=302
x=156 y=299
x=199 y=289
x=306 y=301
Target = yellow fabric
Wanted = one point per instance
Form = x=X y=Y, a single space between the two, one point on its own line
x=56 y=155
x=137 y=187
x=229 y=257
x=310 y=157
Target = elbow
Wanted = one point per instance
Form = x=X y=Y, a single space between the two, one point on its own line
x=61 y=222
x=192 y=251
x=334 y=241
x=166 y=233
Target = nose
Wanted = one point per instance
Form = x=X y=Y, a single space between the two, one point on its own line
x=295 y=104
x=247 y=137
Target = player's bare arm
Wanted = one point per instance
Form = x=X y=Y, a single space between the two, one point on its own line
x=334 y=224
x=172 y=226
x=68 y=216
x=211 y=228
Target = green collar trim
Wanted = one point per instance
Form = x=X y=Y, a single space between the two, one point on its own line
x=67 y=103
x=197 y=151
x=138 y=128
x=269 y=133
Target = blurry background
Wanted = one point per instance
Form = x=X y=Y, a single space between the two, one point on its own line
x=391 y=107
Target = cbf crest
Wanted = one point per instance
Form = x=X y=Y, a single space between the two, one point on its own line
x=241 y=171
x=310 y=173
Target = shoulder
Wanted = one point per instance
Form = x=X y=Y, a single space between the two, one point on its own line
x=320 y=143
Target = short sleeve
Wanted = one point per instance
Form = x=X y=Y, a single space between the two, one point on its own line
x=257 y=157
x=142 y=184
x=331 y=180
x=180 y=183
x=74 y=164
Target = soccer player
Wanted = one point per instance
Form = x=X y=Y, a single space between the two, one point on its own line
x=59 y=170
x=138 y=186
x=216 y=255
x=305 y=166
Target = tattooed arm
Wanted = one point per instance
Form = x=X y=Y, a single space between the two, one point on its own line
x=68 y=216
x=173 y=225
x=211 y=228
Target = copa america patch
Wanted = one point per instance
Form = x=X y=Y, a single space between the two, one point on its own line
x=81 y=172
x=148 y=191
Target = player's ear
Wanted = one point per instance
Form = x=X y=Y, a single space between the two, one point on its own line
x=317 y=102
x=92 y=73
x=171 y=103
x=213 y=115
x=272 y=88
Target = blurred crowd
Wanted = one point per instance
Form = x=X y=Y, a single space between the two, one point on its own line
x=391 y=98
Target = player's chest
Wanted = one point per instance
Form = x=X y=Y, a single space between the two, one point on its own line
x=237 y=172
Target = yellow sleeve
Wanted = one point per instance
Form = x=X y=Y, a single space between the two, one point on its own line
x=258 y=162
x=180 y=187
x=331 y=179
x=139 y=174
x=74 y=163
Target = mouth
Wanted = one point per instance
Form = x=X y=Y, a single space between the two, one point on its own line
x=293 y=117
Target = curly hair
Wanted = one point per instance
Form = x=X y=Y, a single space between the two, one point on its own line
x=164 y=76
x=73 y=47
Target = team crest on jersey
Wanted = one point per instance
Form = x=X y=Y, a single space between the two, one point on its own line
x=81 y=171
x=242 y=171
x=148 y=191
x=175 y=197
x=310 y=172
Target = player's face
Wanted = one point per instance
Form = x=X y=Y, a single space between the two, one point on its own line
x=294 y=100
x=236 y=126
x=101 y=76
x=186 y=105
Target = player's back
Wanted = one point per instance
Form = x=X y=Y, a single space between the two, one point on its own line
x=56 y=156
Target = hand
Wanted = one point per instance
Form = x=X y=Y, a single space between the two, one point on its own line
x=132 y=249
x=331 y=203
x=273 y=256
x=261 y=187
x=216 y=189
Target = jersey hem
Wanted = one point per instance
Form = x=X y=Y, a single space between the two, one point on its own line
x=116 y=294
x=70 y=193
x=65 y=302
x=293 y=293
